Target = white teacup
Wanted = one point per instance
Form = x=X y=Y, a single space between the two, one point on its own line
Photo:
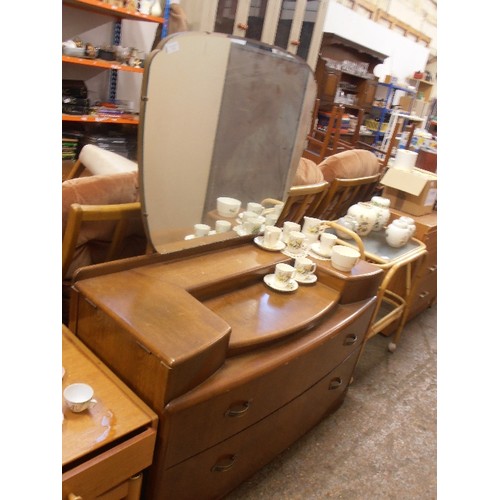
x=201 y=229
x=254 y=224
x=289 y=226
x=246 y=215
x=296 y=242
x=326 y=242
x=344 y=258
x=311 y=228
x=271 y=219
x=222 y=226
x=304 y=266
x=228 y=207
x=272 y=235
x=78 y=397
x=255 y=207
x=283 y=273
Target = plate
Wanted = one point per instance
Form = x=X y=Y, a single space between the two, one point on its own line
x=259 y=240
x=269 y=281
x=316 y=248
x=306 y=280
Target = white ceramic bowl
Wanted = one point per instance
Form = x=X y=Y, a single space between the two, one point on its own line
x=228 y=207
x=74 y=51
x=344 y=258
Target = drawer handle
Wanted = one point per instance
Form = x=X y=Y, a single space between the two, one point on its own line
x=335 y=383
x=295 y=42
x=238 y=409
x=242 y=26
x=225 y=463
x=350 y=339
x=423 y=295
x=432 y=269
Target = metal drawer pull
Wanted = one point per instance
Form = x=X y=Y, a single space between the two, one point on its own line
x=237 y=409
x=432 y=269
x=350 y=339
x=335 y=383
x=225 y=463
x=423 y=295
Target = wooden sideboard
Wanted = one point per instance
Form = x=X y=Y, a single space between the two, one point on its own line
x=106 y=448
x=425 y=293
x=235 y=370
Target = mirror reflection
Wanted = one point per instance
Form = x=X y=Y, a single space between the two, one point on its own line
x=222 y=128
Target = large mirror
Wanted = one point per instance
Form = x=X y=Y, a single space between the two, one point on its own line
x=220 y=116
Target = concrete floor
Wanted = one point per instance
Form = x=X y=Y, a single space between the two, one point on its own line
x=381 y=443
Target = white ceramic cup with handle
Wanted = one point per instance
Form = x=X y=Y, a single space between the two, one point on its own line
x=79 y=397
x=222 y=226
x=201 y=230
x=289 y=226
x=304 y=266
x=344 y=258
x=326 y=242
x=272 y=235
x=283 y=274
x=296 y=242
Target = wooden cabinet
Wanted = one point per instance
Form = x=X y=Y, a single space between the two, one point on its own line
x=223 y=359
x=106 y=448
x=336 y=86
x=296 y=25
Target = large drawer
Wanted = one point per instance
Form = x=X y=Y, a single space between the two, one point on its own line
x=249 y=387
x=425 y=294
x=216 y=471
x=107 y=470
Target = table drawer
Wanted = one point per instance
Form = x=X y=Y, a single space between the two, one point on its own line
x=222 y=467
x=425 y=294
x=109 y=469
x=250 y=387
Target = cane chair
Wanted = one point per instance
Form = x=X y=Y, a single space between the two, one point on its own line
x=300 y=201
x=342 y=193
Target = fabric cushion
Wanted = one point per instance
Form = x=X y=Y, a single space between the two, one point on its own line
x=307 y=173
x=94 y=236
x=349 y=165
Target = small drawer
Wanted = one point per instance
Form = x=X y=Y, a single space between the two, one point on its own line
x=250 y=387
x=222 y=467
x=425 y=294
x=110 y=468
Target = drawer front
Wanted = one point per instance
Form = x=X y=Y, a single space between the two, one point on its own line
x=111 y=468
x=425 y=295
x=225 y=405
x=221 y=468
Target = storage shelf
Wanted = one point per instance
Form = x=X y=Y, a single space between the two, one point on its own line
x=101 y=63
x=102 y=8
x=126 y=119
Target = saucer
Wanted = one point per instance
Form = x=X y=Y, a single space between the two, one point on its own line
x=259 y=240
x=306 y=280
x=316 y=248
x=269 y=281
x=294 y=255
x=192 y=236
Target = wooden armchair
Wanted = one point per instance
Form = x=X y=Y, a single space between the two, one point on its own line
x=301 y=201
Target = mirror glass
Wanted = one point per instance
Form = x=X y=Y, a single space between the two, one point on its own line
x=220 y=116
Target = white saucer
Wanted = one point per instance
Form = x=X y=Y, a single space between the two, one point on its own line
x=306 y=280
x=259 y=240
x=294 y=255
x=241 y=231
x=269 y=281
x=316 y=248
x=192 y=236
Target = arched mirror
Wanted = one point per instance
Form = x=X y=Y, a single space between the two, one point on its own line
x=220 y=116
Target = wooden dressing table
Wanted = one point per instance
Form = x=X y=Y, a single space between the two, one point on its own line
x=235 y=370
x=105 y=448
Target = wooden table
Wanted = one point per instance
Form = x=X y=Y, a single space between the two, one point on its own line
x=105 y=448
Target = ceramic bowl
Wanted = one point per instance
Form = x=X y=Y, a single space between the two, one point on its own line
x=228 y=207
x=74 y=51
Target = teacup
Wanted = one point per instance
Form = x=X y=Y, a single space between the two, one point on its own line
x=246 y=215
x=78 y=397
x=344 y=258
x=201 y=229
x=272 y=235
x=254 y=224
x=296 y=242
x=283 y=273
x=304 y=266
x=311 y=228
x=228 y=207
x=255 y=207
x=289 y=226
x=326 y=242
x=222 y=226
x=271 y=219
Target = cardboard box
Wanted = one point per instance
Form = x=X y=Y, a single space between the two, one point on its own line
x=412 y=191
x=406 y=102
x=420 y=108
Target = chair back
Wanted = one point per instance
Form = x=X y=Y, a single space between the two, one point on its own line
x=342 y=193
x=300 y=201
x=115 y=229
